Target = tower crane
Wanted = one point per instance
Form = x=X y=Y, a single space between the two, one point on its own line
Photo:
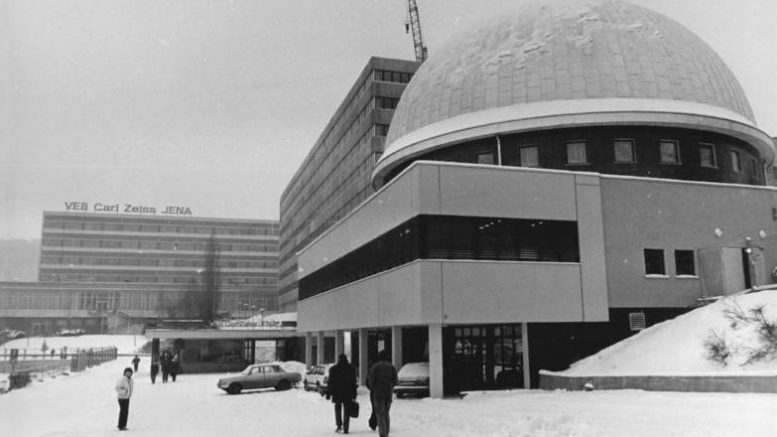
x=414 y=23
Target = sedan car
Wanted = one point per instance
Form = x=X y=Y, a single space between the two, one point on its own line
x=413 y=379
x=258 y=376
x=317 y=377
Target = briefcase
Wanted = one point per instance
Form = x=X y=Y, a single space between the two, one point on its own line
x=353 y=409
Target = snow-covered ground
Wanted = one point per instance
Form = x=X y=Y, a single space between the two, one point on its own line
x=126 y=344
x=84 y=405
x=676 y=347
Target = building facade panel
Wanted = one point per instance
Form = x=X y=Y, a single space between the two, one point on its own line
x=335 y=176
x=641 y=213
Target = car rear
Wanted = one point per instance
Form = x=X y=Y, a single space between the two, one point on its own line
x=413 y=379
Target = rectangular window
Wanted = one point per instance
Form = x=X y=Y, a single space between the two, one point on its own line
x=670 y=151
x=654 y=262
x=736 y=162
x=576 y=153
x=754 y=167
x=684 y=264
x=624 y=151
x=707 y=155
x=529 y=156
x=484 y=158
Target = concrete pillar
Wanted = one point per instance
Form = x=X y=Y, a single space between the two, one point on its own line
x=320 y=347
x=396 y=346
x=435 y=361
x=525 y=352
x=308 y=349
x=363 y=364
x=339 y=343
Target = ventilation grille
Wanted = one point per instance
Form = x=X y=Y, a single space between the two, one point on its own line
x=637 y=321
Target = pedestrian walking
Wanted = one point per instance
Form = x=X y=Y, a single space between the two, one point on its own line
x=154 y=368
x=341 y=388
x=136 y=362
x=165 y=363
x=124 y=391
x=175 y=367
x=381 y=380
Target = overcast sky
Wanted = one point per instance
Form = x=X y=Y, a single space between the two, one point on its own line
x=214 y=104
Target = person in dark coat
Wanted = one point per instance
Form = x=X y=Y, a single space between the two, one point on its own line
x=381 y=380
x=175 y=367
x=165 y=363
x=154 y=368
x=342 y=389
x=136 y=362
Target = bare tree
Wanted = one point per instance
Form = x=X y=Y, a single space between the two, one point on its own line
x=201 y=298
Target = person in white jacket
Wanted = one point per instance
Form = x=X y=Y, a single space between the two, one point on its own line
x=124 y=391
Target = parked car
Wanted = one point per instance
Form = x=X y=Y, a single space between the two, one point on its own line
x=12 y=334
x=413 y=379
x=317 y=377
x=258 y=376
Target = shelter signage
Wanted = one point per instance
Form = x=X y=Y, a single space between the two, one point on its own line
x=126 y=208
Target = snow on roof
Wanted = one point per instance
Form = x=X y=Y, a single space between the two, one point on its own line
x=677 y=346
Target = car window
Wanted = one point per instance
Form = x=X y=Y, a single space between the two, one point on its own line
x=277 y=369
x=269 y=369
x=256 y=370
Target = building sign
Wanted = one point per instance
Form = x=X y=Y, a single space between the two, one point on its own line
x=126 y=208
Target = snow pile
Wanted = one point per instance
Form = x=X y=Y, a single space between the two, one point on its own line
x=126 y=344
x=678 y=346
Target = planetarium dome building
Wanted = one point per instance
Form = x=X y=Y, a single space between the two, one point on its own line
x=576 y=64
x=554 y=180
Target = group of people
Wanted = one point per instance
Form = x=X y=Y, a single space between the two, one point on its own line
x=169 y=364
x=341 y=388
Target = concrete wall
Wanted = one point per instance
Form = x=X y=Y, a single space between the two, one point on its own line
x=474 y=292
x=640 y=213
x=481 y=291
x=730 y=384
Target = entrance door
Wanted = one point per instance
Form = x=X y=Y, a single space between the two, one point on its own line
x=734 y=268
x=483 y=357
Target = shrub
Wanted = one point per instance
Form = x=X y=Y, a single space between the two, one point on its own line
x=717 y=349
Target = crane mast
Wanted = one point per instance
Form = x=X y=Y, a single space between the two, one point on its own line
x=414 y=23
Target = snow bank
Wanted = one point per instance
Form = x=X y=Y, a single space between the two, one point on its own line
x=126 y=344
x=677 y=346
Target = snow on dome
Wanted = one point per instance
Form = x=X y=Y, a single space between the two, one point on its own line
x=567 y=50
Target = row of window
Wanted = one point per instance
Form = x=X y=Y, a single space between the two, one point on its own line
x=122 y=301
x=172 y=229
x=153 y=245
x=625 y=153
x=151 y=262
x=684 y=262
x=156 y=278
x=449 y=237
x=391 y=76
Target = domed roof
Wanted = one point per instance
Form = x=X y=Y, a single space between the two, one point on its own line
x=564 y=63
x=567 y=50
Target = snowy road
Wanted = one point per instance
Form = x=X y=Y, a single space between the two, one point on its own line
x=85 y=405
